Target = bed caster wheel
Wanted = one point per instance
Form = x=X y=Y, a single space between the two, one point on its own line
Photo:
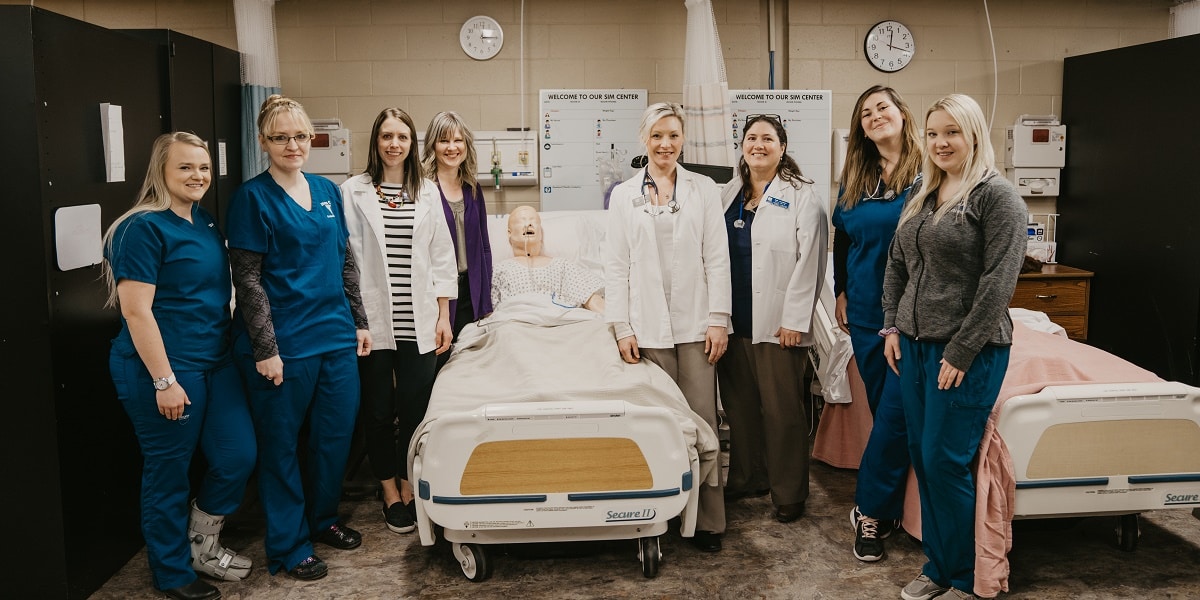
x=1128 y=532
x=650 y=554
x=474 y=561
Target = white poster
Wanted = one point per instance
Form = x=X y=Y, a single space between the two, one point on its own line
x=587 y=138
x=806 y=116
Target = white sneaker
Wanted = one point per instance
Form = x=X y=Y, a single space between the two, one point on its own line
x=921 y=588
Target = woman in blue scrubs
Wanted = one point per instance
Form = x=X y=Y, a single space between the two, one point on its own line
x=300 y=330
x=166 y=267
x=883 y=166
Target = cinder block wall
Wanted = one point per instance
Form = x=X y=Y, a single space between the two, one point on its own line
x=349 y=58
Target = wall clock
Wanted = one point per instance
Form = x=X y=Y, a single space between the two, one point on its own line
x=889 y=46
x=481 y=37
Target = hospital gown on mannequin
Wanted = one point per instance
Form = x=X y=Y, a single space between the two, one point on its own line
x=531 y=272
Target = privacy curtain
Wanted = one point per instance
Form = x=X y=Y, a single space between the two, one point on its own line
x=705 y=90
x=255 y=21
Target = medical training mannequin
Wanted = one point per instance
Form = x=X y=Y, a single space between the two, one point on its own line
x=530 y=270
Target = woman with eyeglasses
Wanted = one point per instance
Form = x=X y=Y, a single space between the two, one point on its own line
x=399 y=236
x=300 y=329
x=882 y=170
x=667 y=281
x=777 y=231
x=449 y=161
x=166 y=267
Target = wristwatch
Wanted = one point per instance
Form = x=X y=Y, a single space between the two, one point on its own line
x=165 y=382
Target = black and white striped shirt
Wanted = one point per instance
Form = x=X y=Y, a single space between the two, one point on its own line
x=398 y=225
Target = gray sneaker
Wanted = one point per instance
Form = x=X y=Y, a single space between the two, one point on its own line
x=957 y=594
x=921 y=588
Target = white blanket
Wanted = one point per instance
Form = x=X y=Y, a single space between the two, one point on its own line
x=532 y=350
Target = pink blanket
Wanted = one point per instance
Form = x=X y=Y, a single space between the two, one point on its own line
x=1037 y=360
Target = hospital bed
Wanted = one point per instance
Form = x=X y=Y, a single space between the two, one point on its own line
x=538 y=432
x=1076 y=432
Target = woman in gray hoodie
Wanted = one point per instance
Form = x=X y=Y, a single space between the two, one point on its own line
x=952 y=268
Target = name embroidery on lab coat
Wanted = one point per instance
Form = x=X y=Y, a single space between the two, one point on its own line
x=778 y=202
x=638 y=201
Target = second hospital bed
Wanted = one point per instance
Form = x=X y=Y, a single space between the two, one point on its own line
x=1076 y=431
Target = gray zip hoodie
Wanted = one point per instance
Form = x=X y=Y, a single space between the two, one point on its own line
x=952 y=281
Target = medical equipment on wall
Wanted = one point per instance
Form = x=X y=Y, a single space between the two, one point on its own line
x=329 y=154
x=511 y=158
x=611 y=172
x=1035 y=150
x=1042 y=230
x=841 y=141
x=504 y=158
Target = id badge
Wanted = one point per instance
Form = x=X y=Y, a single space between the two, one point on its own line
x=639 y=201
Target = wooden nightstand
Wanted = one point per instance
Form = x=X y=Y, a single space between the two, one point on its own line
x=1061 y=292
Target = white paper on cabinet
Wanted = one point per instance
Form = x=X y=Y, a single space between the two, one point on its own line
x=113 y=132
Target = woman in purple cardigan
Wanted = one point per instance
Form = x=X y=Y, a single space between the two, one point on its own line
x=449 y=160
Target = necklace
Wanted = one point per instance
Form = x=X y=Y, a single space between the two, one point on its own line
x=392 y=200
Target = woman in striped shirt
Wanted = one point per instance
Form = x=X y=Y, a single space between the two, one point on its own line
x=408 y=277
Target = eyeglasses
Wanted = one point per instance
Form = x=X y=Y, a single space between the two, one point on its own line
x=776 y=118
x=283 y=140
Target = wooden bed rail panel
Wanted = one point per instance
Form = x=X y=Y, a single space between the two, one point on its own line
x=557 y=465
x=1118 y=447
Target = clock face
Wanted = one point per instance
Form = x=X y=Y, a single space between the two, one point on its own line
x=481 y=37
x=889 y=46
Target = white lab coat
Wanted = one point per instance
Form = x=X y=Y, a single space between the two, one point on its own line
x=434 y=270
x=790 y=237
x=700 y=292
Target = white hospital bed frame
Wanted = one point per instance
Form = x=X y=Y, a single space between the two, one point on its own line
x=1104 y=449
x=469 y=484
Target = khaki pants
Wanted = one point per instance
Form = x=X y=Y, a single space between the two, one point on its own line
x=688 y=366
x=762 y=392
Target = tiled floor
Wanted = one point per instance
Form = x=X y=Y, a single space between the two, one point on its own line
x=809 y=558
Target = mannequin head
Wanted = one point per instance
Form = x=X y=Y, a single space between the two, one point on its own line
x=525 y=231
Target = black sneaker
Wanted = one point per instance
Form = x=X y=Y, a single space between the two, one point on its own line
x=887 y=527
x=398 y=518
x=339 y=536
x=309 y=569
x=868 y=544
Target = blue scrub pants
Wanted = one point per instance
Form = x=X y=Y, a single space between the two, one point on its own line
x=324 y=389
x=218 y=421
x=944 y=431
x=883 y=471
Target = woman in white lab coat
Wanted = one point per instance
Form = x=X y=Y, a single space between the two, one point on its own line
x=667 y=280
x=777 y=231
x=408 y=278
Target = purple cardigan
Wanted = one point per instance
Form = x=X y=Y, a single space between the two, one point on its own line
x=479 y=248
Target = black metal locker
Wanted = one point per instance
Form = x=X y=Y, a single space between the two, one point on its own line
x=71 y=463
x=1129 y=212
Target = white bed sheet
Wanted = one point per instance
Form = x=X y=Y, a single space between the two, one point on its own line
x=531 y=350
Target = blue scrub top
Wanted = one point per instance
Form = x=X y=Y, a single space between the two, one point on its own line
x=870 y=226
x=303 y=255
x=187 y=264
x=741 y=268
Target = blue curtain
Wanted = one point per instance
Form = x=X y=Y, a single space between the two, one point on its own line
x=254 y=160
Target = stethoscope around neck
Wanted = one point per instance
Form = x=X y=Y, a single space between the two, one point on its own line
x=672 y=204
x=740 y=222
